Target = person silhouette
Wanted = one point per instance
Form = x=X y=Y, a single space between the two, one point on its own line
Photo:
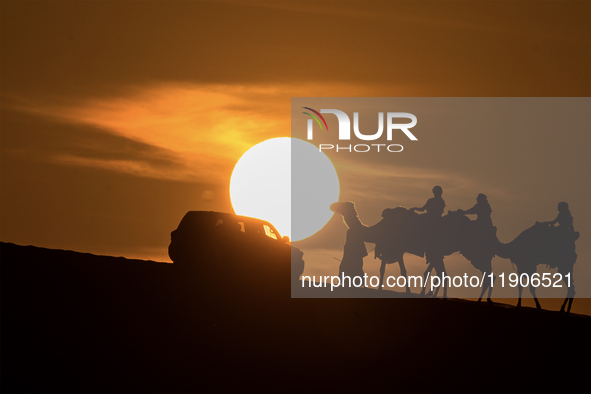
x=435 y=205
x=482 y=210
x=484 y=241
x=431 y=225
x=564 y=218
x=354 y=250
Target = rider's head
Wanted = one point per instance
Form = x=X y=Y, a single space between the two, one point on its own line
x=481 y=197
x=437 y=191
x=562 y=206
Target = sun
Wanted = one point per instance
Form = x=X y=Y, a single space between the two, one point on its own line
x=287 y=182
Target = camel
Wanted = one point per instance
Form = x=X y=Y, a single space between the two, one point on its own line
x=401 y=231
x=397 y=233
x=456 y=233
x=543 y=244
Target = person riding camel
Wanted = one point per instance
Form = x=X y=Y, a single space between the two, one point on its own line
x=565 y=223
x=432 y=234
x=435 y=205
x=484 y=241
x=431 y=221
x=482 y=210
x=564 y=218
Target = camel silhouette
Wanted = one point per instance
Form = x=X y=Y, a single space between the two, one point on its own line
x=396 y=234
x=403 y=231
x=543 y=244
x=457 y=234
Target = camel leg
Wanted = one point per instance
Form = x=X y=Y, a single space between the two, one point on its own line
x=443 y=274
x=571 y=289
x=566 y=298
x=532 y=290
x=429 y=269
x=440 y=271
x=489 y=283
x=489 y=300
x=570 y=295
x=403 y=273
x=432 y=293
x=520 y=289
x=382 y=272
x=484 y=287
x=564 y=304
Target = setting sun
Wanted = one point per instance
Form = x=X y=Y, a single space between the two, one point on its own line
x=288 y=182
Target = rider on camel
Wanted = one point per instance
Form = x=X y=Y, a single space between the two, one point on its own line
x=432 y=234
x=564 y=218
x=435 y=205
x=482 y=210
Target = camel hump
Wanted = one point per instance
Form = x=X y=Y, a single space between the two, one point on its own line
x=395 y=213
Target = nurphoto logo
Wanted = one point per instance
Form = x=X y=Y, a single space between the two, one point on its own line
x=345 y=130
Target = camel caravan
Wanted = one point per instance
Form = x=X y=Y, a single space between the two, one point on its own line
x=433 y=236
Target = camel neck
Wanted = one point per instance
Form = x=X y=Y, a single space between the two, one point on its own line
x=353 y=221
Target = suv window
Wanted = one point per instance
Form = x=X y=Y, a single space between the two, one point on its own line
x=269 y=232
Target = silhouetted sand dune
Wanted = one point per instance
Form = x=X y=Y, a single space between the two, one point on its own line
x=74 y=322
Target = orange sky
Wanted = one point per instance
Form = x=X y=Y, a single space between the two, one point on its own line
x=119 y=117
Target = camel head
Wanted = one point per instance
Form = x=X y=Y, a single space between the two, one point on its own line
x=345 y=208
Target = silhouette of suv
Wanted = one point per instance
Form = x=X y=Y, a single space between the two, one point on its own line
x=205 y=239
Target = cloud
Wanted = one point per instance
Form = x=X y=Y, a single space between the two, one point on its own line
x=131 y=167
x=184 y=131
x=203 y=129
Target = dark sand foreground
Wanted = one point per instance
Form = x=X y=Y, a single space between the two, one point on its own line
x=74 y=322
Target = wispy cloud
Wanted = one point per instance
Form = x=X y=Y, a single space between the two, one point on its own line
x=131 y=167
x=207 y=128
x=202 y=129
